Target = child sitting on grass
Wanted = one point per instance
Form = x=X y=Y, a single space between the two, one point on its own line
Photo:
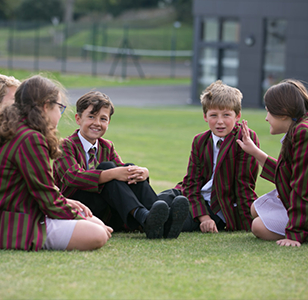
x=281 y=215
x=33 y=214
x=91 y=171
x=221 y=177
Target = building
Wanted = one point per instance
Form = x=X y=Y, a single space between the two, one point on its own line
x=249 y=44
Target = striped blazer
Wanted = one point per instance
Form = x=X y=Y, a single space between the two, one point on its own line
x=233 y=182
x=70 y=170
x=27 y=191
x=291 y=180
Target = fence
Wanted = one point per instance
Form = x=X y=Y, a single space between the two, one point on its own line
x=96 y=48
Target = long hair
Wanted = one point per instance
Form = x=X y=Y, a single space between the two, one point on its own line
x=287 y=98
x=30 y=98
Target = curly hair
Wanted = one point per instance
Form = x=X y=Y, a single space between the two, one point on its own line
x=5 y=83
x=30 y=98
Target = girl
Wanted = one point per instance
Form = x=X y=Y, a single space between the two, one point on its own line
x=282 y=214
x=33 y=214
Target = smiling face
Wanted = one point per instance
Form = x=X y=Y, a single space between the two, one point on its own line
x=278 y=124
x=93 y=126
x=221 y=122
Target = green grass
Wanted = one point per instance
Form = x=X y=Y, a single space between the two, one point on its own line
x=194 y=266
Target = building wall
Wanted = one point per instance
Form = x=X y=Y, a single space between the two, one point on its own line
x=251 y=14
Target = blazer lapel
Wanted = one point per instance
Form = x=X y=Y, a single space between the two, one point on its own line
x=82 y=155
x=208 y=158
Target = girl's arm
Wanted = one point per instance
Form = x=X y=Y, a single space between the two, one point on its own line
x=249 y=146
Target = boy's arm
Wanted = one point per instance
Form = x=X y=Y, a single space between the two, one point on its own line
x=69 y=172
x=245 y=183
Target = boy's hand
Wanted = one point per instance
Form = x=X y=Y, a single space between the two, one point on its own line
x=207 y=224
x=137 y=174
x=288 y=242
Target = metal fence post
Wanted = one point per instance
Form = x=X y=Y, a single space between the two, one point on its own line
x=64 y=47
x=94 y=62
x=37 y=47
x=11 y=46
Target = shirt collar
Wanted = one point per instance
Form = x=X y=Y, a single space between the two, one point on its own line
x=216 y=139
x=86 y=144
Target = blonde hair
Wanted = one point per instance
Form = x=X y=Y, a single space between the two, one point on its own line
x=7 y=82
x=221 y=96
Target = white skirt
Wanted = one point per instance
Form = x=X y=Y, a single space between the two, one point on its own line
x=272 y=212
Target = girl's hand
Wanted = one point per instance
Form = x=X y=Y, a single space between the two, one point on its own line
x=246 y=143
x=287 y=243
x=79 y=207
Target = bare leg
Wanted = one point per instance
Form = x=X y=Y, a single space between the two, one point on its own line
x=253 y=211
x=260 y=231
x=89 y=234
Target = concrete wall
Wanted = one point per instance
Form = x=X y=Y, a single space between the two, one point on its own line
x=251 y=15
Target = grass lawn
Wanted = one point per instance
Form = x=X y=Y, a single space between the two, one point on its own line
x=194 y=266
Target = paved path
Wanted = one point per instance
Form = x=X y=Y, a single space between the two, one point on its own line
x=124 y=96
x=141 y=95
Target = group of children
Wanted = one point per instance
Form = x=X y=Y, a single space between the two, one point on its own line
x=87 y=192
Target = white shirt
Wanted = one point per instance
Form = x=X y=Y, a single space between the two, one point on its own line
x=87 y=146
x=206 y=190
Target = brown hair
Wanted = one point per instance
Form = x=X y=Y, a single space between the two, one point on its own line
x=5 y=83
x=221 y=96
x=30 y=98
x=287 y=98
x=97 y=100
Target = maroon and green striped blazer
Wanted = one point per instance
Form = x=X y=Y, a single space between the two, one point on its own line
x=27 y=191
x=233 y=183
x=291 y=180
x=70 y=170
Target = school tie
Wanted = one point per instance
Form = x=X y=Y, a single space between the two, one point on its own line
x=219 y=143
x=92 y=159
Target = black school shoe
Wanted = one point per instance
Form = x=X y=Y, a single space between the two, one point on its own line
x=179 y=210
x=154 y=224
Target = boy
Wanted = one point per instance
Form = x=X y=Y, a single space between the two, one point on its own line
x=8 y=86
x=220 y=179
x=117 y=193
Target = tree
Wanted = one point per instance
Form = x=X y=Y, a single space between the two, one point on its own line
x=34 y=10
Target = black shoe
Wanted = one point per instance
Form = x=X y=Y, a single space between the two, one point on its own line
x=154 y=224
x=179 y=210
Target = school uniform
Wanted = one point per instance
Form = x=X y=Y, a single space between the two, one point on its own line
x=232 y=183
x=112 y=201
x=290 y=178
x=27 y=191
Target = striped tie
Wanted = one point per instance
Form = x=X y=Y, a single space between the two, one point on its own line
x=92 y=159
x=219 y=142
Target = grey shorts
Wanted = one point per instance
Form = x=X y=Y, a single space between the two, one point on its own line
x=59 y=233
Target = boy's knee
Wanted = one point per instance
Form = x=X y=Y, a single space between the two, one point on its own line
x=106 y=165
